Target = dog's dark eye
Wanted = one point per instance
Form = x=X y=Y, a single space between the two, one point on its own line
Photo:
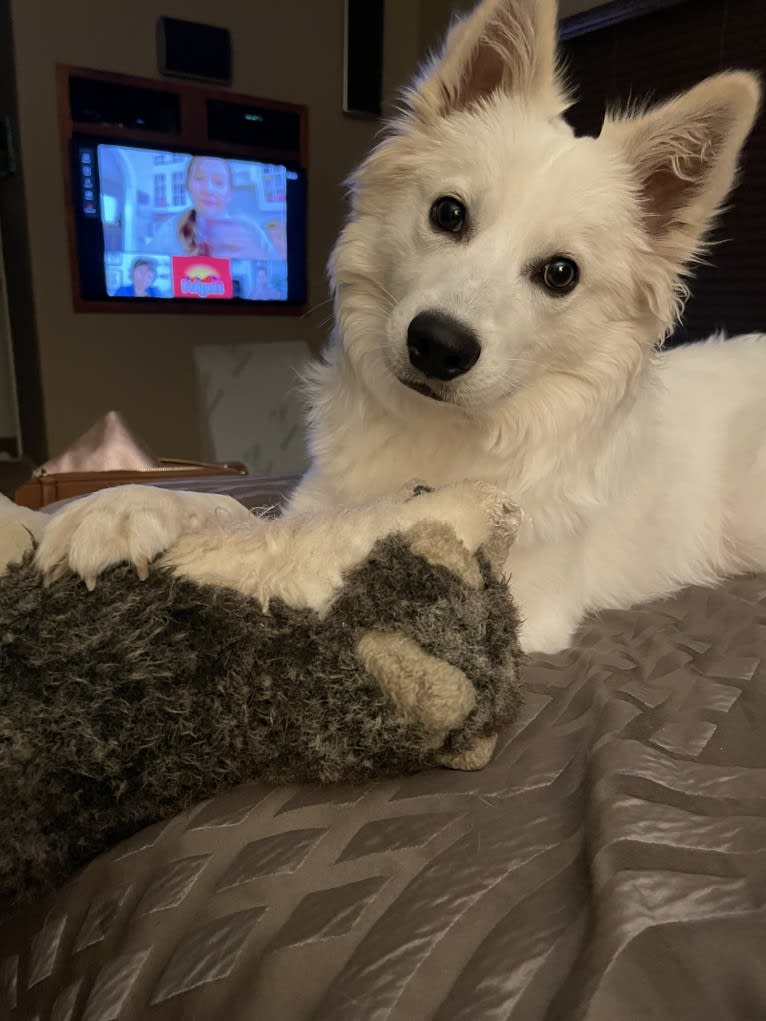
x=560 y=275
x=449 y=214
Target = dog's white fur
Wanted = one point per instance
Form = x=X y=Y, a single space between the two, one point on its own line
x=638 y=471
x=133 y=523
x=19 y=528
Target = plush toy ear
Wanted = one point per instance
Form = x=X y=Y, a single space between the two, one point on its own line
x=684 y=157
x=503 y=45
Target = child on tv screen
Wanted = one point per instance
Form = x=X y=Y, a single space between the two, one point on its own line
x=182 y=226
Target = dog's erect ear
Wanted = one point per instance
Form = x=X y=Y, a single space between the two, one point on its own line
x=503 y=45
x=684 y=156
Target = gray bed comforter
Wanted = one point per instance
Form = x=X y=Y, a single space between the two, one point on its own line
x=609 y=865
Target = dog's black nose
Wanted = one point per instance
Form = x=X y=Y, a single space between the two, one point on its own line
x=441 y=347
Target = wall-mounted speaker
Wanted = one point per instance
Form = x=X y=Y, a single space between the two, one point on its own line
x=363 y=63
x=188 y=49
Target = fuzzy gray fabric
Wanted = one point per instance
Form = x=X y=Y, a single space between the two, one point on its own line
x=126 y=705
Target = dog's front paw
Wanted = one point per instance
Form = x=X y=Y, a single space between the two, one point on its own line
x=127 y=523
x=20 y=529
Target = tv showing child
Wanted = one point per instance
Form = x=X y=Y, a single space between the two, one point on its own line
x=178 y=225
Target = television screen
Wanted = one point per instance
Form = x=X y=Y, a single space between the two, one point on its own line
x=155 y=224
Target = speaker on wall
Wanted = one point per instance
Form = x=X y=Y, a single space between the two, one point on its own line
x=188 y=49
x=363 y=64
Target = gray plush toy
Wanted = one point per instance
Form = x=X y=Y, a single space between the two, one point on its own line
x=125 y=705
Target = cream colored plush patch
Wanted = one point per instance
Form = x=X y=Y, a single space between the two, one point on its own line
x=426 y=690
x=436 y=542
x=476 y=757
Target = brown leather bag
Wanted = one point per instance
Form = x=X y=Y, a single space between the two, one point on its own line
x=43 y=489
x=108 y=454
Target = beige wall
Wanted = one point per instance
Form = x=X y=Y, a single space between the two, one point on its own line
x=145 y=365
x=435 y=16
x=184 y=382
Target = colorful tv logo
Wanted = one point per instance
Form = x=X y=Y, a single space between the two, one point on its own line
x=196 y=276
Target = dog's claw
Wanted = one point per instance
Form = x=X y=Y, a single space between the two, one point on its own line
x=52 y=574
x=128 y=524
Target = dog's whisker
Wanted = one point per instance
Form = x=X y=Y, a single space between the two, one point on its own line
x=321 y=304
x=388 y=294
x=367 y=282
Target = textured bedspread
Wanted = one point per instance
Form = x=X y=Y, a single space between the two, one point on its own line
x=609 y=865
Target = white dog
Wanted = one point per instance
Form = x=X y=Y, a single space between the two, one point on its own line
x=501 y=288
